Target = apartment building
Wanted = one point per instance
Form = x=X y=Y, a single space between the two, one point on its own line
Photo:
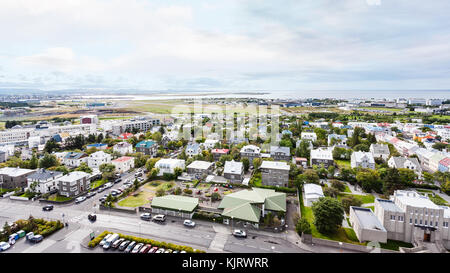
x=11 y=178
x=275 y=173
x=73 y=184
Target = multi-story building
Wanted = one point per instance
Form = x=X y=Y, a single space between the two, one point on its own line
x=168 y=165
x=280 y=153
x=309 y=136
x=73 y=184
x=123 y=148
x=43 y=181
x=142 y=125
x=217 y=153
x=251 y=152
x=362 y=160
x=380 y=151
x=406 y=163
x=200 y=168
x=275 y=173
x=90 y=119
x=98 y=158
x=414 y=218
x=11 y=178
x=123 y=164
x=147 y=147
x=234 y=171
x=339 y=139
x=74 y=160
x=322 y=156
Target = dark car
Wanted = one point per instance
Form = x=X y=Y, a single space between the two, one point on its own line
x=124 y=245
x=37 y=238
x=117 y=180
x=146 y=216
x=92 y=217
x=130 y=247
x=47 y=208
x=117 y=243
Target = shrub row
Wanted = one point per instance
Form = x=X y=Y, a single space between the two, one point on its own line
x=208 y=216
x=164 y=245
x=280 y=189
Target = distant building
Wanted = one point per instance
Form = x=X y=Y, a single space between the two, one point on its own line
x=168 y=165
x=251 y=152
x=98 y=146
x=322 y=156
x=123 y=164
x=193 y=149
x=217 y=153
x=96 y=159
x=147 y=147
x=280 y=153
x=11 y=178
x=362 y=160
x=90 y=119
x=200 y=168
x=380 y=151
x=123 y=148
x=44 y=181
x=309 y=136
x=74 y=160
x=406 y=163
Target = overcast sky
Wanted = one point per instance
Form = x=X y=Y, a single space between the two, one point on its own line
x=225 y=45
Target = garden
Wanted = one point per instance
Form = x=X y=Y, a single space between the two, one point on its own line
x=35 y=225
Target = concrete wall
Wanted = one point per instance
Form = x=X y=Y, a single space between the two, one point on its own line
x=352 y=247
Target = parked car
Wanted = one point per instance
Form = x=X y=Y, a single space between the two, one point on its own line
x=145 y=249
x=168 y=251
x=176 y=251
x=37 y=238
x=137 y=248
x=146 y=216
x=4 y=246
x=92 y=217
x=161 y=250
x=117 y=243
x=153 y=250
x=80 y=199
x=117 y=180
x=189 y=223
x=102 y=199
x=47 y=208
x=124 y=245
x=29 y=235
x=239 y=233
x=115 y=193
x=90 y=194
x=111 y=241
x=102 y=242
x=159 y=218
x=130 y=247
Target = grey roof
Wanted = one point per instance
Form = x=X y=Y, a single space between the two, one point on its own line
x=359 y=156
x=199 y=164
x=380 y=148
x=367 y=219
x=388 y=205
x=283 y=150
x=279 y=165
x=400 y=162
x=193 y=146
x=233 y=167
x=44 y=175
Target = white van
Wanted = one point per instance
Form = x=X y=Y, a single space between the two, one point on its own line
x=111 y=240
x=102 y=243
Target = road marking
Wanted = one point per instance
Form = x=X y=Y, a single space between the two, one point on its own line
x=251 y=246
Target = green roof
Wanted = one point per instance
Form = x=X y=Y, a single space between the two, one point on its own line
x=243 y=205
x=176 y=203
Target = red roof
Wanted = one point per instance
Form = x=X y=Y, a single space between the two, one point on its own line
x=126 y=136
x=123 y=159
x=220 y=151
x=445 y=162
x=300 y=159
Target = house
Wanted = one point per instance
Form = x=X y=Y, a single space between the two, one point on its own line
x=123 y=148
x=322 y=156
x=125 y=136
x=251 y=152
x=280 y=153
x=43 y=181
x=309 y=136
x=406 y=163
x=73 y=184
x=234 y=171
x=434 y=161
x=11 y=178
x=147 y=147
x=175 y=205
x=98 y=158
x=123 y=164
x=311 y=193
x=98 y=146
x=300 y=162
x=168 y=165
x=366 y=225
x=338 y=139
x=362 y=160
x=74 y=160
x=413 y=218
x=380 y=151
x=210 y=143
x=200 y=168
x=275 y=173
x=217 y=153
x=193 y=149
x=250 y=206
x=444 y=165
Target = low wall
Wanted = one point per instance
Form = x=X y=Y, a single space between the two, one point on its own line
x=55 y=202
x=19 y=198
x=8 y=194
x=352 y=247
x=131 y=211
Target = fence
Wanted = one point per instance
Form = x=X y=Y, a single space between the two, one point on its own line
x=131 y=211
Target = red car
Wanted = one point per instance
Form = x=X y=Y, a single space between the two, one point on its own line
x=145 y=249
x=153 y=250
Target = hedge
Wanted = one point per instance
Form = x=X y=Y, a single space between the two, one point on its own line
x=164 y=245
x=279 y=189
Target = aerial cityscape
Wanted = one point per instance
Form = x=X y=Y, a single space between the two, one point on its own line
x=189 y=134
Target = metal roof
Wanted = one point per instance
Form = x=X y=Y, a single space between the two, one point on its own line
x=175 y=202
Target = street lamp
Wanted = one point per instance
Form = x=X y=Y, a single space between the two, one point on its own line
x=340 y=246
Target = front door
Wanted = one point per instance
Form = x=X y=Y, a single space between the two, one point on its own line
x=426 y=237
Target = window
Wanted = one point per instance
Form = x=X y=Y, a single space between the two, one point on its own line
x=420 y=221
x=446 y=224
x=426 y=222
x=415 y=221
x=393 y=217
x=410 y=220
x=400 y=218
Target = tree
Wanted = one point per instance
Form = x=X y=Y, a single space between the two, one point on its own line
x=311 y=176
x=100 y=138
x=407 y=176
x=303 y=149
x=328 y=215
x=340 y=186
x=51 y=146
x=48 y=161
x=331 y=192
x=361 y=147
x=257 y=163
x=140 y=160
x=350 y=200
x=246 y=164
x=369 y=180
x=83 y=168
x=107 y=171
x=440 y=146
x=303 y=226
x=151 y=163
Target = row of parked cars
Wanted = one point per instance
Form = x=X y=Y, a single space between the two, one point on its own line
x=162 y=218
x=113 y=241
x=30 y=236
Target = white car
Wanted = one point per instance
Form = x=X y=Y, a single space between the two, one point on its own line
x=80 y=199
x=240 y=233
x=4 y=246
x=189 y=223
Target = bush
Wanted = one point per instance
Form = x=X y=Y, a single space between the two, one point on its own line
x=187 y=191
x=303 y=226
x=338 y=185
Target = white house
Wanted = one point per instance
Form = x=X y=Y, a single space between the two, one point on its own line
x=312 y=193
x=43 y=181
x=406 y=163
x=123 y=148
x=74 y=160
x=380 y=151
x=363 y=160
x=210 y=143
x=168 y=165
x=309 y=136
x=123 y=164
x=98 y=158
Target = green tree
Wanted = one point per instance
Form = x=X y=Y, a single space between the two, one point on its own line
x=48 y=161
x=83 y=168
x=246 y=164
x=328 y=215
x=51 y=146
x=350 y=200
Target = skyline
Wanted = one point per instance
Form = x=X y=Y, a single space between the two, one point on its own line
x=229 y=46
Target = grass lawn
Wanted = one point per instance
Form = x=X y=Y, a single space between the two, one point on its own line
x=5 y=190
x=343 y=163
x=203 y=186
x=371 y=207
x=437 y=200
x=58 y=198
x=98 y=183
x=394 y=245
x=422 y=190
x=347 y=189
x=140 y=199
x=365 y=199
